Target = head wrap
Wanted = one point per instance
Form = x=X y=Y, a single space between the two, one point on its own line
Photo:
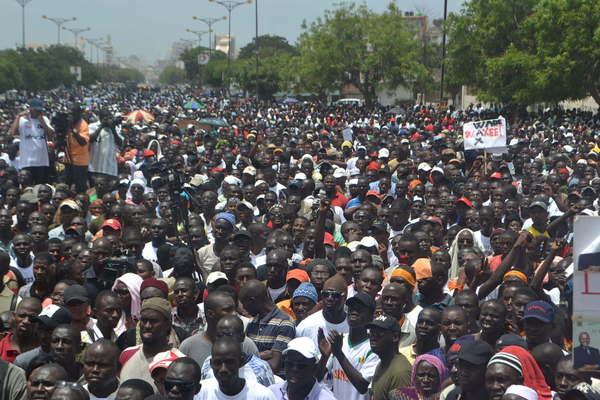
x=306 y=290
x=532 y=374
x=436 y=362
x=522 y=391
x=160 y=305
x=133 y=283
x=229 y=217
x=404 y=274
x=516 y=273
x=422 y=267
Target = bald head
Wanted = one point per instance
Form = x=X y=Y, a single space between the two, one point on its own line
x=547 y=353
x=30 y=303
x=103 y=347
x=336 y=282
x=255 y=289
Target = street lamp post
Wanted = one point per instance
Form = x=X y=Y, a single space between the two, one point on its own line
x=23 y=3
x=76 y=32
x=443 y=51
x=199 y=34
x=210 y=22
x=256 y=48
x=59 y=23
x=230 y=5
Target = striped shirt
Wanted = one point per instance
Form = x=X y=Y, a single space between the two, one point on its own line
x=271 y=332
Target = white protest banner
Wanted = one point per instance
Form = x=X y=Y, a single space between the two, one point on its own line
x=479 y=135
x=586 y=292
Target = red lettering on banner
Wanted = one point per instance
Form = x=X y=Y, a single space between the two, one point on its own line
x=586 y=285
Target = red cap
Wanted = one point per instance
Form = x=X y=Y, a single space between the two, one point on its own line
x=148 y=153
x=298 y=274
x=465 y=201
x=563 y=171
x=176 y=142
x=496 y=175
x=112 y=223
x=373 y=193
x=155 y=283
x=415 y=136
x=373 y=166
x=328 y=240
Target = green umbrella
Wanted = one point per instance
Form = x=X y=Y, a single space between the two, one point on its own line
x=193 y=105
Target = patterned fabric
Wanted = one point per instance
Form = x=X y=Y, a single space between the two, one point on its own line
x=253 y=368
x=271 y=332
x=190 y=327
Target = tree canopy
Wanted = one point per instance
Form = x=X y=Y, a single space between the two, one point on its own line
x=526 y=51
x=47 y=68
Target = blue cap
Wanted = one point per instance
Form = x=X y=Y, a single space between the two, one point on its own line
x=306 y=290
x=36 y=104
x=229 y=217
x=540 y=310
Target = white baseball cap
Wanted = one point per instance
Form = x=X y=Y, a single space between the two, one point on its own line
x=305 y=346
x=383 y=153
x=424 y=167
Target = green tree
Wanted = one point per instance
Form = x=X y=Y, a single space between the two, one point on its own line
x=352 y=44
x=172 y=75
x=268 y=46
x=206 y=74
x=566 y=42
x=10 y=76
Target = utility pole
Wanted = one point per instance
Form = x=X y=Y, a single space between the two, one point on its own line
x=76 y=32
x=230 y=5
x=23 y=3
x=59 y=21
x=210 y=22
x=443 y=51
x=199 y=34
x=256 y=47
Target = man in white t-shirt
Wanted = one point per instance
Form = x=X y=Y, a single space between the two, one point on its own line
x=332 y=316
x=34 y=131
x=226 y=362
x=351 y=369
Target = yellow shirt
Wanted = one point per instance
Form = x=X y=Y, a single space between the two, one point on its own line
x=537 y=233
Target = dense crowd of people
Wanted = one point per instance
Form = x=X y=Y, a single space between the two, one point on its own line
x=258 y=250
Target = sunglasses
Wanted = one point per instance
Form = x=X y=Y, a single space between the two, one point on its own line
x=331 y=293
x=184 y=386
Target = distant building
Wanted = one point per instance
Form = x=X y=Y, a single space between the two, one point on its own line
x=222 y=44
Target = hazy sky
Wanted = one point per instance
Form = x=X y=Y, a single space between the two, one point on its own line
x=148 y=28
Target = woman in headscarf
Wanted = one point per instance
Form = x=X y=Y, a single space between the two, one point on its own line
x=136 y=191
x=427 y=375
x=128 y=289
x=515 y=366
x=465 y=238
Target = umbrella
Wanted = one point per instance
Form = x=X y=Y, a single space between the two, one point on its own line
x=139 y=115
x=288 y=100
x=213 y=122
x=193 y=105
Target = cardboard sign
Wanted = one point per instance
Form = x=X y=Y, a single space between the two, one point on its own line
x=479 y=135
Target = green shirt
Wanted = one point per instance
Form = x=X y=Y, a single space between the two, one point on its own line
x=396 y=375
